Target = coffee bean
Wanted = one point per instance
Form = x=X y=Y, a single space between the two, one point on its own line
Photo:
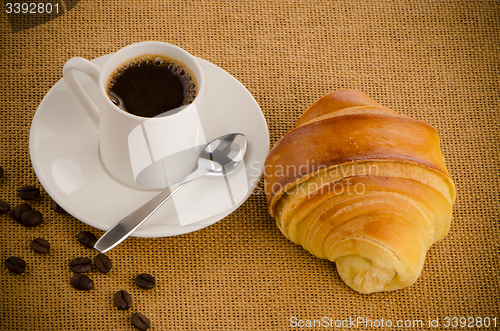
x=31 y=218
x=4 y=207
x=57 y=208
x=145 y=281
x=87 y=239
x=140 y=321
x=122 y=300
x=15 y=264
x=81 y=264
x=82 y=282
x=29 y=192
x=102 y=263
x=40 y=245
x=20 y=210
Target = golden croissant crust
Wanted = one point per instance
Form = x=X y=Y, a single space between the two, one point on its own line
x=363 y=186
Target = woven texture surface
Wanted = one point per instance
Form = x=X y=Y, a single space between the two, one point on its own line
x=436 y=61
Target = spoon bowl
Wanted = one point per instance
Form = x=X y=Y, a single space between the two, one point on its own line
x=223 y=155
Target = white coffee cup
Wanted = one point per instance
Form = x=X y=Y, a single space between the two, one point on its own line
x=137 y=151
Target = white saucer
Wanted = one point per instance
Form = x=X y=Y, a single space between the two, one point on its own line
x=64 y=147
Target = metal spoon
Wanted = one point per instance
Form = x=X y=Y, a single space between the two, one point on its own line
x=116 y=100
x=218 y=158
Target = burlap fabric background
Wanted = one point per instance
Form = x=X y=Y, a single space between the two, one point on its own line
x=436 y=61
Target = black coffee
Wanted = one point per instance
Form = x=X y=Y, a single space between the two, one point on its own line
x=152 y=85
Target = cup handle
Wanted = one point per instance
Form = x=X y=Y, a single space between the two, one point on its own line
x=91 y=70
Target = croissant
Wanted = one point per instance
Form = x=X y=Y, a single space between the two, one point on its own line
x=362 y=186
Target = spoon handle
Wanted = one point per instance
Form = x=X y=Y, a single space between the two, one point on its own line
x=134 y=220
